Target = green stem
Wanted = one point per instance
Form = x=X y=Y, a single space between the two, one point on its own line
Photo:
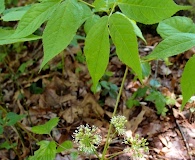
x=112 y=10
x=27 y=132
x=87 y=3
x=115 y=154
x=114 y=112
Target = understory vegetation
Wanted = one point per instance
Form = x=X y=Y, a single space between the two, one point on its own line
x=79 y=79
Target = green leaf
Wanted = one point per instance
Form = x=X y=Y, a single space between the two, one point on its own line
x=174 y=25
x=136 y=29
x=6 y=37
x=141 y=92
x=1 y=129
x=66 y=145
x=34 y=17
x=61 y=28
x=97 y=49
x=149 y=11
x=125 y=40
x=159 y=101
x=146 y=69
x=47 y=151
x=15 y=14
x=173 y=45
x=7 y=146
x=132 y=103
x=188 y=81
x=87 y=13
x=90 y=22
x=12 y=118
x=103 y=5
x=105 y=84
x=5 y=33
x=47 y=127
x=15 y=40
x=2 y=6
x=74 y=155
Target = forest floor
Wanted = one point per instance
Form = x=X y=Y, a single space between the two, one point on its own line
x=63 y=89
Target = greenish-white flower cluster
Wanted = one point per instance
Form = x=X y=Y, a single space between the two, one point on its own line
x=137 y=146
x=87 y=138
x=119 y=124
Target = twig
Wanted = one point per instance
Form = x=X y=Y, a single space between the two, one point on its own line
x=184 y=139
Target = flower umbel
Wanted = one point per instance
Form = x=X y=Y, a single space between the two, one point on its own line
x=119 y=123
x=138 y=146
x=87 y=138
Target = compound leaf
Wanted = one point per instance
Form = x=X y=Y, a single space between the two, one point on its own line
x=174 y=25
x=34 y=17
x=149 y=11
x=125 y=40
x=61 y=28
x=173 y=45
x=188 y=81
x=47 y=127
x=97 y=49
x=47 y=151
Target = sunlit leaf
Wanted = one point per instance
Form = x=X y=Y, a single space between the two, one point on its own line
x=90 y=22
x=15 y=40
x=174 y=25
x=87 y=13
x=34 y=17
x=188 y=81
x=47 y=127
x=149 y=11
x=103 y=5
x=61 y=28
x=125 y=40
x=173 y=45
x=97 y=49
x=47 y=151
x=66 y=145
x=15 y=14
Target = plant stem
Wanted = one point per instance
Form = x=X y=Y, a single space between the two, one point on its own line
x=87 y=3
x=114 y=112
x=115 y=154
x=112 y=10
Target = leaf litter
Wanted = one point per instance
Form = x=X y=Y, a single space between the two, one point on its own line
x=63 y=89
